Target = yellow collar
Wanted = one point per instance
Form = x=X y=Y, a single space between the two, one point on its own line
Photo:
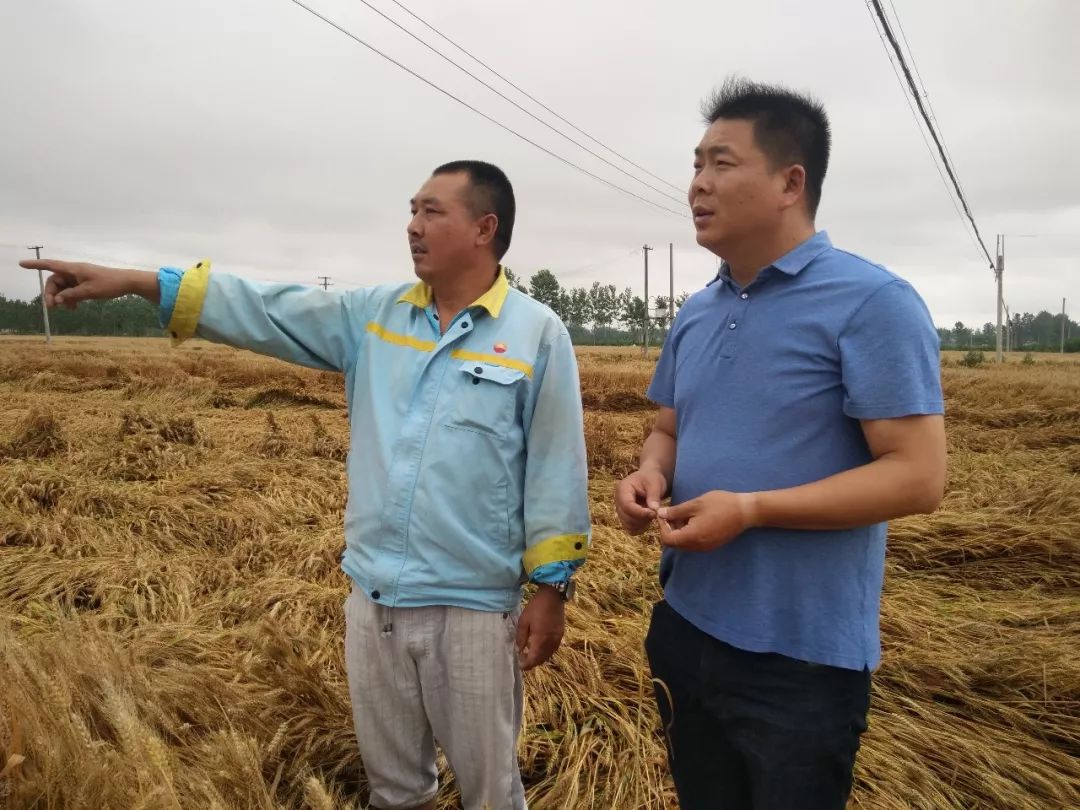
x=421 y=296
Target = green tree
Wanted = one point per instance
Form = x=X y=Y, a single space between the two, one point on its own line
x=633 y=313
x=604 y=305
x=545 y=288
x=575 y=307
x=961 y=334
x=662 y=320
x=513 y=280
x=129 y=316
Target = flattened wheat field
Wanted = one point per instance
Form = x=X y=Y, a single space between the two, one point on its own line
x=170 y=598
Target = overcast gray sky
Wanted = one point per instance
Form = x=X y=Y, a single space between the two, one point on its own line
x=149 y=132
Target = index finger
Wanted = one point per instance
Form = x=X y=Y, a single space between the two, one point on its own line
x=684 y=536
x=52 y=265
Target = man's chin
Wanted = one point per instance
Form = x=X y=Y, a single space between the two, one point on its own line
x=705 y=239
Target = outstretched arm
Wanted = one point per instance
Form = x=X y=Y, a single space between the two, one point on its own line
x=292 y=322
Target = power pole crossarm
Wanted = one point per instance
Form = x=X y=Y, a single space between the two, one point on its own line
x=325 y=282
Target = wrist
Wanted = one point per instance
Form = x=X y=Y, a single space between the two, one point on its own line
x=649 y=467
x=555 y=593
x=753 y=505
x=143 y=283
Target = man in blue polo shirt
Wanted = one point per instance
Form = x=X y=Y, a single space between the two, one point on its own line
x=800 y=409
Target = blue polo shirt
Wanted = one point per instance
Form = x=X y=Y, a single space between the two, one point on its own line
x=769 y=384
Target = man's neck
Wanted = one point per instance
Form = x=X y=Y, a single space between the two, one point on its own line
x=451 y=296
x=745 y=262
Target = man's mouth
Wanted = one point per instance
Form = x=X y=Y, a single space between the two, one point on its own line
x=701 y=214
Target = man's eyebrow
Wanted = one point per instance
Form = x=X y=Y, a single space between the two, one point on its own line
x=713 y=151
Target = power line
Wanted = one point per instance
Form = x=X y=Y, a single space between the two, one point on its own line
x=915 y=67
x=922 y=133
x=484 y=115
x=887 y=28
x=531 y=97
x=918 y=75
x=506 y=98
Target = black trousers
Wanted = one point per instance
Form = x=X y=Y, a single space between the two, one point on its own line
x=753 y=731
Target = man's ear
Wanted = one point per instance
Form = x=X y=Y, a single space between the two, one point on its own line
x=486 y=226
x=794 y=184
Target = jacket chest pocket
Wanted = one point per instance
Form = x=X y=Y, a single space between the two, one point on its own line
x=484 y=398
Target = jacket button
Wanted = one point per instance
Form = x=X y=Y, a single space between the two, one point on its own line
x=577 y=546
x=475 y=380
x=375 y=594
x=478 y=370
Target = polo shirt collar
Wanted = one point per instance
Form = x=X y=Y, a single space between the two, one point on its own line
x=420 y=295
x=794 y=261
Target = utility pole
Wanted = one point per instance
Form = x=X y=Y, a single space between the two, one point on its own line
x=1063 y=326
x=999 y=272
x=671 y=284
x=325 y=281
x=645 y=326
x=41 y=285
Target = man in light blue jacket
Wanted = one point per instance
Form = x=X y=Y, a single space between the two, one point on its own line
x=467 y=475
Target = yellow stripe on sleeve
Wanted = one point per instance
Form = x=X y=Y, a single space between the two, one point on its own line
x=555 y=549
x=189 y=302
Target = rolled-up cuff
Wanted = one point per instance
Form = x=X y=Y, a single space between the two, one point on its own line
x=169 y=279
x=554 y=573
x=560 y=548
x=184 y=319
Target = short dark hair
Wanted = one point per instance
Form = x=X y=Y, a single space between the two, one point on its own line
x=491 y=194
x=789 y=127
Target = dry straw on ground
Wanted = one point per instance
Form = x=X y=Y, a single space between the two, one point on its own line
x=170 y=601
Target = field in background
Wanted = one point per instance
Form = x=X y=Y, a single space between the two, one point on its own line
x=170 y=598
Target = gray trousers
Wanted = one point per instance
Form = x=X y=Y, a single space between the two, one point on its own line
x=442 y=674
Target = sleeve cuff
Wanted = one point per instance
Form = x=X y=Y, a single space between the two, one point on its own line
x=896 y=410
x=561 y=548
x=189 y=301
x=169 y=279
x=554 y=573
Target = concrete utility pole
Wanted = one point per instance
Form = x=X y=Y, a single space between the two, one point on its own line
x=671 y=284
x=41 y=285
x=325 y=281
x=1063 y=326
x=645 y=326
x=998 y=273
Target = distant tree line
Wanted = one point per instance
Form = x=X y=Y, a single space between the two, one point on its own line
x=598 y=314
x=1040 y=332
x=129 y=316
